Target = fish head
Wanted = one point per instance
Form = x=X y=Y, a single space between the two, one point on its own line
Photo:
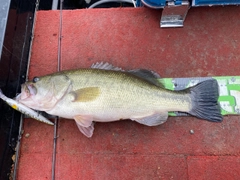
x=43 y=93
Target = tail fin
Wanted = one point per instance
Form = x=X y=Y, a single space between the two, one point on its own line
x=204 y=98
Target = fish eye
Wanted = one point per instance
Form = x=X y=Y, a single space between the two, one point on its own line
x=36 y=79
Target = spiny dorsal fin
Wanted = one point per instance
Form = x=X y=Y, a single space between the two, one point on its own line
x=148 y=75
x=106 y=66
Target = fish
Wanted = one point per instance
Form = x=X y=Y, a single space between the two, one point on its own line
x=105 y=93
x=24 y=109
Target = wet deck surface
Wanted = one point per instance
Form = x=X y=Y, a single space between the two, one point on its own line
x=209 y=44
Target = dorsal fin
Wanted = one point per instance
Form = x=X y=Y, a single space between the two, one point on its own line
x=145 y=74
x=106 y=66
x=148 y=75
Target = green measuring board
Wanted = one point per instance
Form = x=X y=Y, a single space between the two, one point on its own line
x=229 y=91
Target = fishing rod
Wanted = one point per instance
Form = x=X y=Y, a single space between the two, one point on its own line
x=58 y=68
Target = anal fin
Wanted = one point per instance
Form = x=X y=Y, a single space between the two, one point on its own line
x=153 y=120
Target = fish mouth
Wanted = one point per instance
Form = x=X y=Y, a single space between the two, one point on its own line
x=27 y=90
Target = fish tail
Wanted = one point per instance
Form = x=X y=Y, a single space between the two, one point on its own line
x=204 y=97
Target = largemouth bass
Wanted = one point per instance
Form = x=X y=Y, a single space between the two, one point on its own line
x=23 y=109
x=106 y=93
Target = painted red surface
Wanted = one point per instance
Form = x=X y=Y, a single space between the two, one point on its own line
x=209 y=44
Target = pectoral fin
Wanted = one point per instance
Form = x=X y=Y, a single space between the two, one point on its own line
x=85 y=94
x=85 y=125
x=153 y=120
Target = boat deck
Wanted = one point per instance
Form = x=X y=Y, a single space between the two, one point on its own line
x=208 y=45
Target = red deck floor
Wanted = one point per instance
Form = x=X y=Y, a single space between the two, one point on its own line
x=209 y=44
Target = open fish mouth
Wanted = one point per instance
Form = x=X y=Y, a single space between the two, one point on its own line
x=27 y=91
x=31 y=89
